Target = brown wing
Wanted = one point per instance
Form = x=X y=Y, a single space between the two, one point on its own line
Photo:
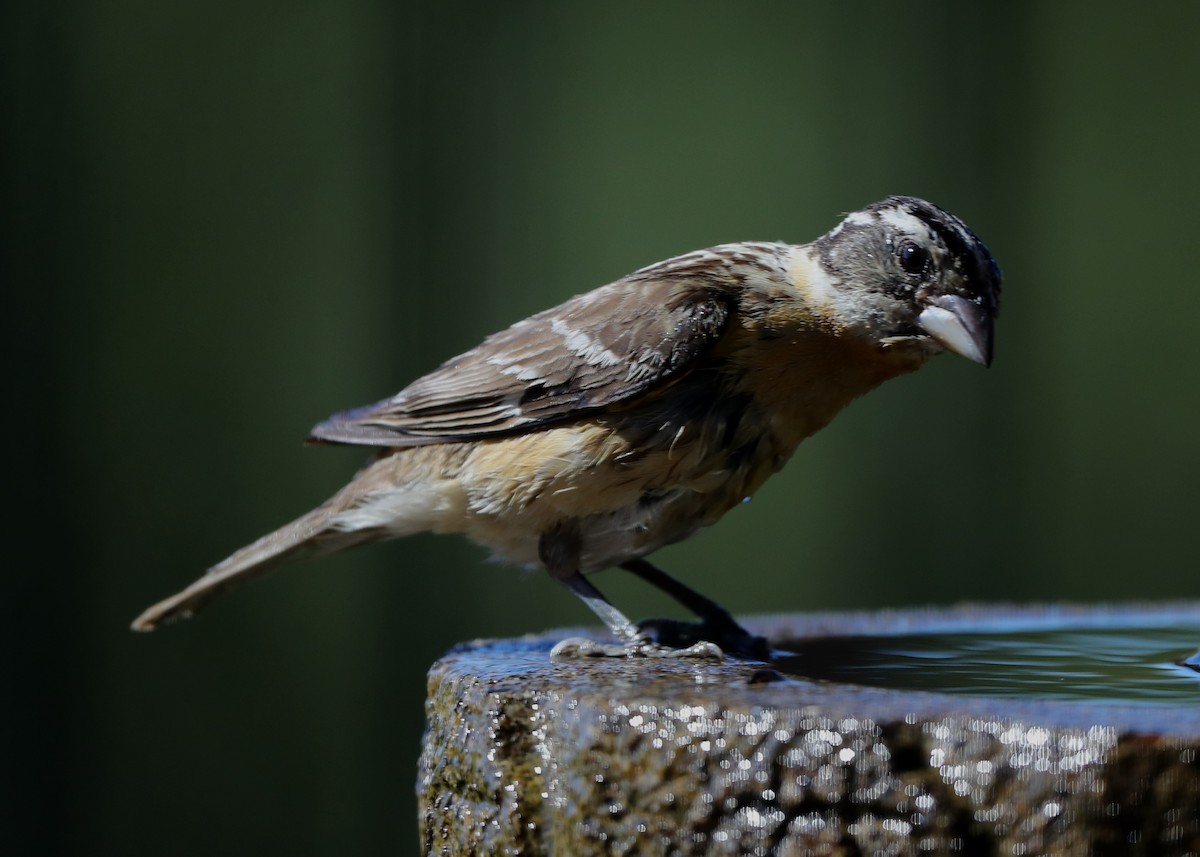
x=596 y=349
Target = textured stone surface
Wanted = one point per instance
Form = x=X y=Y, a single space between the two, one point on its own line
x=527 y=756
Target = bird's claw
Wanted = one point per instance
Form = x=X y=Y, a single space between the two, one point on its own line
x=731 y=637
x=575 y=648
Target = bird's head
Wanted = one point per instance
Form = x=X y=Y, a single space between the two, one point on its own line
x=910 y=274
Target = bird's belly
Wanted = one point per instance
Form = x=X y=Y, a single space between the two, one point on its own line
x=608 y=538
x=625 y=500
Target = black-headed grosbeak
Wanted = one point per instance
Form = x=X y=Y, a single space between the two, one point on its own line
x=628 y=418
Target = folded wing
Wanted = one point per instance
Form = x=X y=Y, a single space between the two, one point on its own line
x=607 y=346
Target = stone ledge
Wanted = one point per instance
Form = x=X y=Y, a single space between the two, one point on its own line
x=526 y=756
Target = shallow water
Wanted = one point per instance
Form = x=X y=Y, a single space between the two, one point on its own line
x=1116 y=665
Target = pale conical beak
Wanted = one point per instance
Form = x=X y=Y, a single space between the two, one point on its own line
x=960 y=326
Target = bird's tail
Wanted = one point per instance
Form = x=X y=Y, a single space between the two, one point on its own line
x=311 y=532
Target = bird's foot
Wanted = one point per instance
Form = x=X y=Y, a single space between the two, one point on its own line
x=729 y=637
x=640 y=646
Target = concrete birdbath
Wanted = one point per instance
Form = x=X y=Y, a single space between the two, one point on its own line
x=974 y=730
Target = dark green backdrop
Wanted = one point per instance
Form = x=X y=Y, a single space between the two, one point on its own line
x=226 y=220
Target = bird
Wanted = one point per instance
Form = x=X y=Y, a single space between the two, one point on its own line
x=630 y=417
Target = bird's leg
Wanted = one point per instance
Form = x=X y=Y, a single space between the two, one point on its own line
x=705 y=608
x=716 y=623
x=559 y=550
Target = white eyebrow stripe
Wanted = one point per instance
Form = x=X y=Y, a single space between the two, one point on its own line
x=903 y=221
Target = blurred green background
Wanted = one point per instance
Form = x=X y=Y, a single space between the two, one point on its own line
x=227 y=220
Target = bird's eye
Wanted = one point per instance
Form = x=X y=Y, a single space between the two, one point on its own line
x=913 y=257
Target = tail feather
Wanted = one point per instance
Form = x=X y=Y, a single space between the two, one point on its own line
x=311 y=532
